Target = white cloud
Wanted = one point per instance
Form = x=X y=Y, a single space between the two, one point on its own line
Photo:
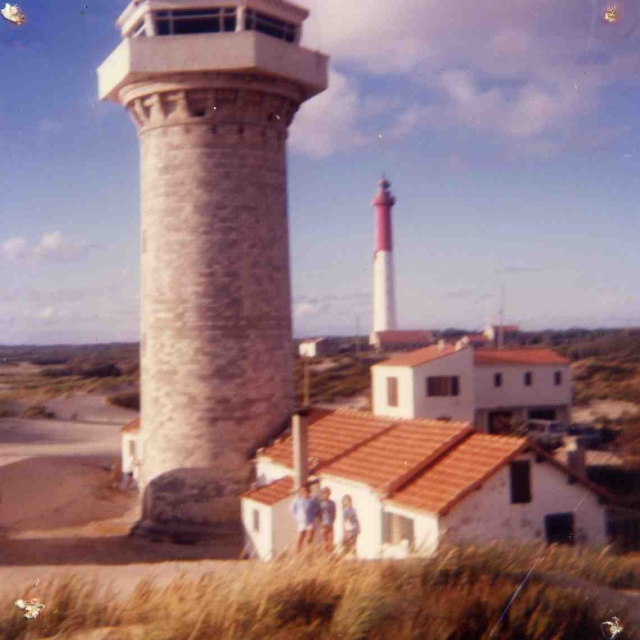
x=329 y=122
x=515 y=72
x=305 y=309
x=52 y=247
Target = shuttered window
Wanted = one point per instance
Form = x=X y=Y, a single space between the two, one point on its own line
x=392 y=392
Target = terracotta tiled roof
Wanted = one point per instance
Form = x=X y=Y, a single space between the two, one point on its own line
x=131 y=427
x=464 y=468
x=330 y=433
x=271 y=493
x=408 y=337
x=421 y=356
x=506 y=327
x=476 y=337
x=409 y=445
x=518 y=356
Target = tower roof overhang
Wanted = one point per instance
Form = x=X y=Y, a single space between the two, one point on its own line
x=152 y=59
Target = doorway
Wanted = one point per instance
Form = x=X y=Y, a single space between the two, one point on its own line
x=559 y=528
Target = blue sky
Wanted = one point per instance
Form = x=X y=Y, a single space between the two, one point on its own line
x=509 y=133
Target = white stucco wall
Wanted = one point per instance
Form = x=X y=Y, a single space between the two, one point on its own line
x=284 y=527
x=268 y=471
x=425 y=531
x=368 y=509
x=308 y=349
x=461 y=407
x=128 y=458
x=261 y=542
x=514 y=393
x=379 y=375
x=488 y=514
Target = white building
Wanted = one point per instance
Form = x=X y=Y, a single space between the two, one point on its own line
x=415 y=483
x=493 y=388
x=318 y=347
x=131 y=448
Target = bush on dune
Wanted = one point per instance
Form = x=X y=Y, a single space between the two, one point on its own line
x=459 y=593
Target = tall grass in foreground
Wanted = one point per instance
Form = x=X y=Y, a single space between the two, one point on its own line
x=459 y=594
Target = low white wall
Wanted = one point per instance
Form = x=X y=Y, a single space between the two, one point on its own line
x=488 y=514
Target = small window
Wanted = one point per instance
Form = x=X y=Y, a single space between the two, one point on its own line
x=392 y=392
x=497 y=379
x=256 y=520
x=520 y=482
x=438 y=386
x=396 y=528
x=528 y=379
x=132 y=448
x=557 y=378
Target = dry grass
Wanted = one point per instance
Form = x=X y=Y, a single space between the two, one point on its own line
x=459 y=594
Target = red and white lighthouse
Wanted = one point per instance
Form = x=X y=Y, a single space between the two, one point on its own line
x=384 y=300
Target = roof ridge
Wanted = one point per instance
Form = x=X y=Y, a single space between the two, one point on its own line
x=404 y=479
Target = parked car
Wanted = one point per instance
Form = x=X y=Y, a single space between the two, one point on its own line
x=590 y=435
x=546 y=432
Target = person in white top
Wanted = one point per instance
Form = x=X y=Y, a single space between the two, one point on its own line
x=350 y=525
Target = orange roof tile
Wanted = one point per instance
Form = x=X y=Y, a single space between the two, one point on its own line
x=421 y=356
x=400 y=451
x=271 y=493
x=331 y=434
x=131 y=427
x=464 y=468
x=518 y=356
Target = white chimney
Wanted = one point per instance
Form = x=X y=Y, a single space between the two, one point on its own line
x=442 y=344
x=576 y=456
x=300 y=448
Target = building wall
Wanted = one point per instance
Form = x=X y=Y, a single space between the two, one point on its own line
x=488 y=514
x=426 y=528
x=267 y=471
x=128 y=458
x=379 y=375
x=284 y=530
x=308 y=349
x=368 y=509
x=461 y=407
x=514 y=393
x=259 y=542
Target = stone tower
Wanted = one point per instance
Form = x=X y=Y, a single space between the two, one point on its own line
x=384 y=299
x=212 y=88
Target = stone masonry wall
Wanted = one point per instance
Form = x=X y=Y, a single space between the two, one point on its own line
x=216 y=361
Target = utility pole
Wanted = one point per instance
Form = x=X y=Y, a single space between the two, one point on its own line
x=501 y=327
x=358 y=337
x=306 y=384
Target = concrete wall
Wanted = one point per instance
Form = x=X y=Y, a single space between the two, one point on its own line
x=489 y=515
x=514 y=393
x=459 y=407
x=379 y=375
x=267 y=471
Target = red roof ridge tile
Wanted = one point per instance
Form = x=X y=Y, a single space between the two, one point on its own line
x=420 y=467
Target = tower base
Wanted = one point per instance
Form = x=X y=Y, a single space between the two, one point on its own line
x=226 y=534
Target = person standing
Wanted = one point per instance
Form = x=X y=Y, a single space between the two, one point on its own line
x=304 y=509
x=350 y=525
x=327 y=518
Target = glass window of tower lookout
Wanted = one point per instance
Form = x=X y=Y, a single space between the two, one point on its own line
x=213 y=20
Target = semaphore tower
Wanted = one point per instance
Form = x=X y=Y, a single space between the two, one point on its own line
x=212 y=88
